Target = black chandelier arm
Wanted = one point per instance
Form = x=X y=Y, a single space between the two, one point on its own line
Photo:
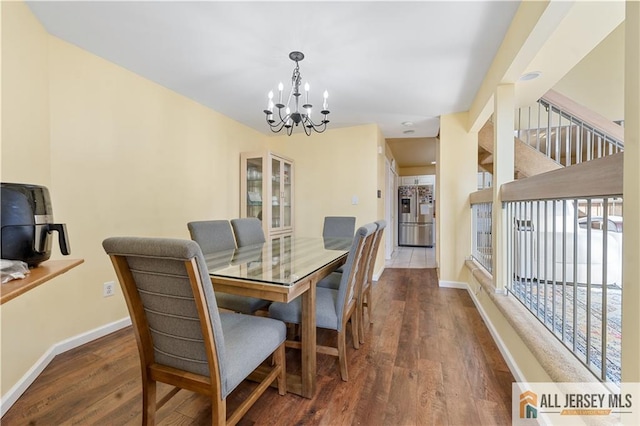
x=318 y=128
x=282 y=121
x=277 y=127
x=309 y=122
x=307 y=130
x=286 y=116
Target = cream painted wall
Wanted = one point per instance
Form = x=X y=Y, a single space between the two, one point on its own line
x=25 y=158
x=604 y=65
x=331 y=169
x=457 y=178
x=596 y=82
x=123 y=156
x=25 y=121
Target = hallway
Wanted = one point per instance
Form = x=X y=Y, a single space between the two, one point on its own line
x=412 y=257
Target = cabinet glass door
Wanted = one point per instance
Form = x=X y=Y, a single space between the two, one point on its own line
x=287 y=196
x=276 y=194
x=254 y=187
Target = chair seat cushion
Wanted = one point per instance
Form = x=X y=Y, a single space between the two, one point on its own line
x=242 y=304
x=331 y=281
x=326 y=315
x=248 y=341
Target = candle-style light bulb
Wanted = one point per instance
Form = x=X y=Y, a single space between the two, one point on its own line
x=288 y=112
x=270 y=101
x=325 y=103
x=306 y=92
x=280 y=89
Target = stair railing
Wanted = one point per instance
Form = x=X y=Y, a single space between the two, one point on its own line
x=566 y=132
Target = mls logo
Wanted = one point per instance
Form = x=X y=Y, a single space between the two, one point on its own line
x=528 y=405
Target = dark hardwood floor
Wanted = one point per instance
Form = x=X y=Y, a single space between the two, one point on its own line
x=428 y=359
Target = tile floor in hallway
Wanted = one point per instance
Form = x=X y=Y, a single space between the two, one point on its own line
x=412 y=257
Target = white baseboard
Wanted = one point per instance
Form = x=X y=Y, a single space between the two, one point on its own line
x=30 y=376
x=452 y=284
x=513 y=366
x=376 y=276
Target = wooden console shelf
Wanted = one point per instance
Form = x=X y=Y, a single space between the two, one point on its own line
x=39 y=275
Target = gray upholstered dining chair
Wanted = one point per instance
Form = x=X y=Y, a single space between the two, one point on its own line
x=334 y=308
x=365 y=298
x=214 y=236
x=248 y=231
x=338 y=227
x=183 y=340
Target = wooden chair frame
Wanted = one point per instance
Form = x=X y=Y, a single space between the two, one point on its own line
x=365 y=298
x=210 y=386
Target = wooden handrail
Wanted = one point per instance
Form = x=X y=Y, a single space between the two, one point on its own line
x=585 y=115
x=596 y=178
x=482 y=196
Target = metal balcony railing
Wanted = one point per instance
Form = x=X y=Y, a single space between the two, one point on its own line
x=566 y=269
x=482 y=248
x=563 y=252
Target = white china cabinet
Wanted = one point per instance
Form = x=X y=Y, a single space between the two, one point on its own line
x=266 y=191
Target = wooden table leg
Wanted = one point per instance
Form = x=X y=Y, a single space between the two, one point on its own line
x=308 y=332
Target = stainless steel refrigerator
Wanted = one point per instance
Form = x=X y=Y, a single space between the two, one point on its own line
x=415 y=215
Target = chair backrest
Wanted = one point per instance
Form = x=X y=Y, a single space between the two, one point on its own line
x=175 y=316
x=212 y=235
x=248 y=231
x=353 y=269
x=339 y=227
x=371 y=261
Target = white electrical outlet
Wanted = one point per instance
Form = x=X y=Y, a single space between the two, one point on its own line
x=108 y=289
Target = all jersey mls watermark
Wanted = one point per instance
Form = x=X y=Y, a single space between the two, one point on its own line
x=595 y=403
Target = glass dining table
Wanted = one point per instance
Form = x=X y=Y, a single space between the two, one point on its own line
x=281 y=270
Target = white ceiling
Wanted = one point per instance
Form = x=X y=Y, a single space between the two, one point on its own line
x=382 y=62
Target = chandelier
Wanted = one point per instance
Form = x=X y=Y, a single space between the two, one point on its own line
x=297 y=116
